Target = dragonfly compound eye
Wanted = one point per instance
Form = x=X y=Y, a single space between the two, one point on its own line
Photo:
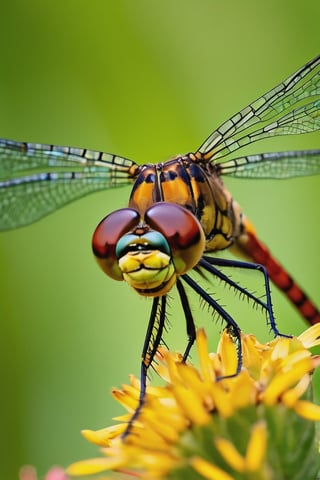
x=107 y=235
x=182 y=231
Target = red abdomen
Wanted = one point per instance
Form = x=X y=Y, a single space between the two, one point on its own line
x=259 y=253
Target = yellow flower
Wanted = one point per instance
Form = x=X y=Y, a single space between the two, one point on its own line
x=257 y=425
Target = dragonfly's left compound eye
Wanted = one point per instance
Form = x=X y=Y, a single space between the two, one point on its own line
x=182 y=231
x=107 y=235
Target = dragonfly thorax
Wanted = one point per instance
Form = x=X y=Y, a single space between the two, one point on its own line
x=195 y=184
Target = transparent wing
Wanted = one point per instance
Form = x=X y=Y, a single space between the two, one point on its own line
x=37 y=179
x=276 y=165
x=272 y=114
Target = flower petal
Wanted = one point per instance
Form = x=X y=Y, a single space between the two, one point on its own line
x=311 y=336
x=291 y=396
x=192 y=405
x=206 y=369
x=208 y=470
x=282 y=381
x=103 y=436
x=307 y=410
x=228 y=353
x=230 y=454
x=95 y=465
x=257 y=445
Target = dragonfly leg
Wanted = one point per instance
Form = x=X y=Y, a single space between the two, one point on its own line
x=210 y=264
x=191 y=329
x=151 y=343
x=232 y=326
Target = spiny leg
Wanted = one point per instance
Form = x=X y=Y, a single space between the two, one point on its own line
x=232 y=326
x=191 y=329
x=151 y=343
x=209 y=263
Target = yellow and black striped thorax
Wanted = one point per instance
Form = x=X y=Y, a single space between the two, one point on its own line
x=195 y=185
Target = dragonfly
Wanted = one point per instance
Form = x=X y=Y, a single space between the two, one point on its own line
x=179 y=212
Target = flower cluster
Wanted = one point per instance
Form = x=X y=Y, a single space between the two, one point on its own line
x=260 y=424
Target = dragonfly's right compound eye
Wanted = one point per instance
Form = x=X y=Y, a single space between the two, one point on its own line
x=107 y=235
x=182 y=231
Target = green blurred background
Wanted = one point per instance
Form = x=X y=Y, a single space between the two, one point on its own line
x=146 y=80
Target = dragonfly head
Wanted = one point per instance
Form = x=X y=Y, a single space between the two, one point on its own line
x=150 y=252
